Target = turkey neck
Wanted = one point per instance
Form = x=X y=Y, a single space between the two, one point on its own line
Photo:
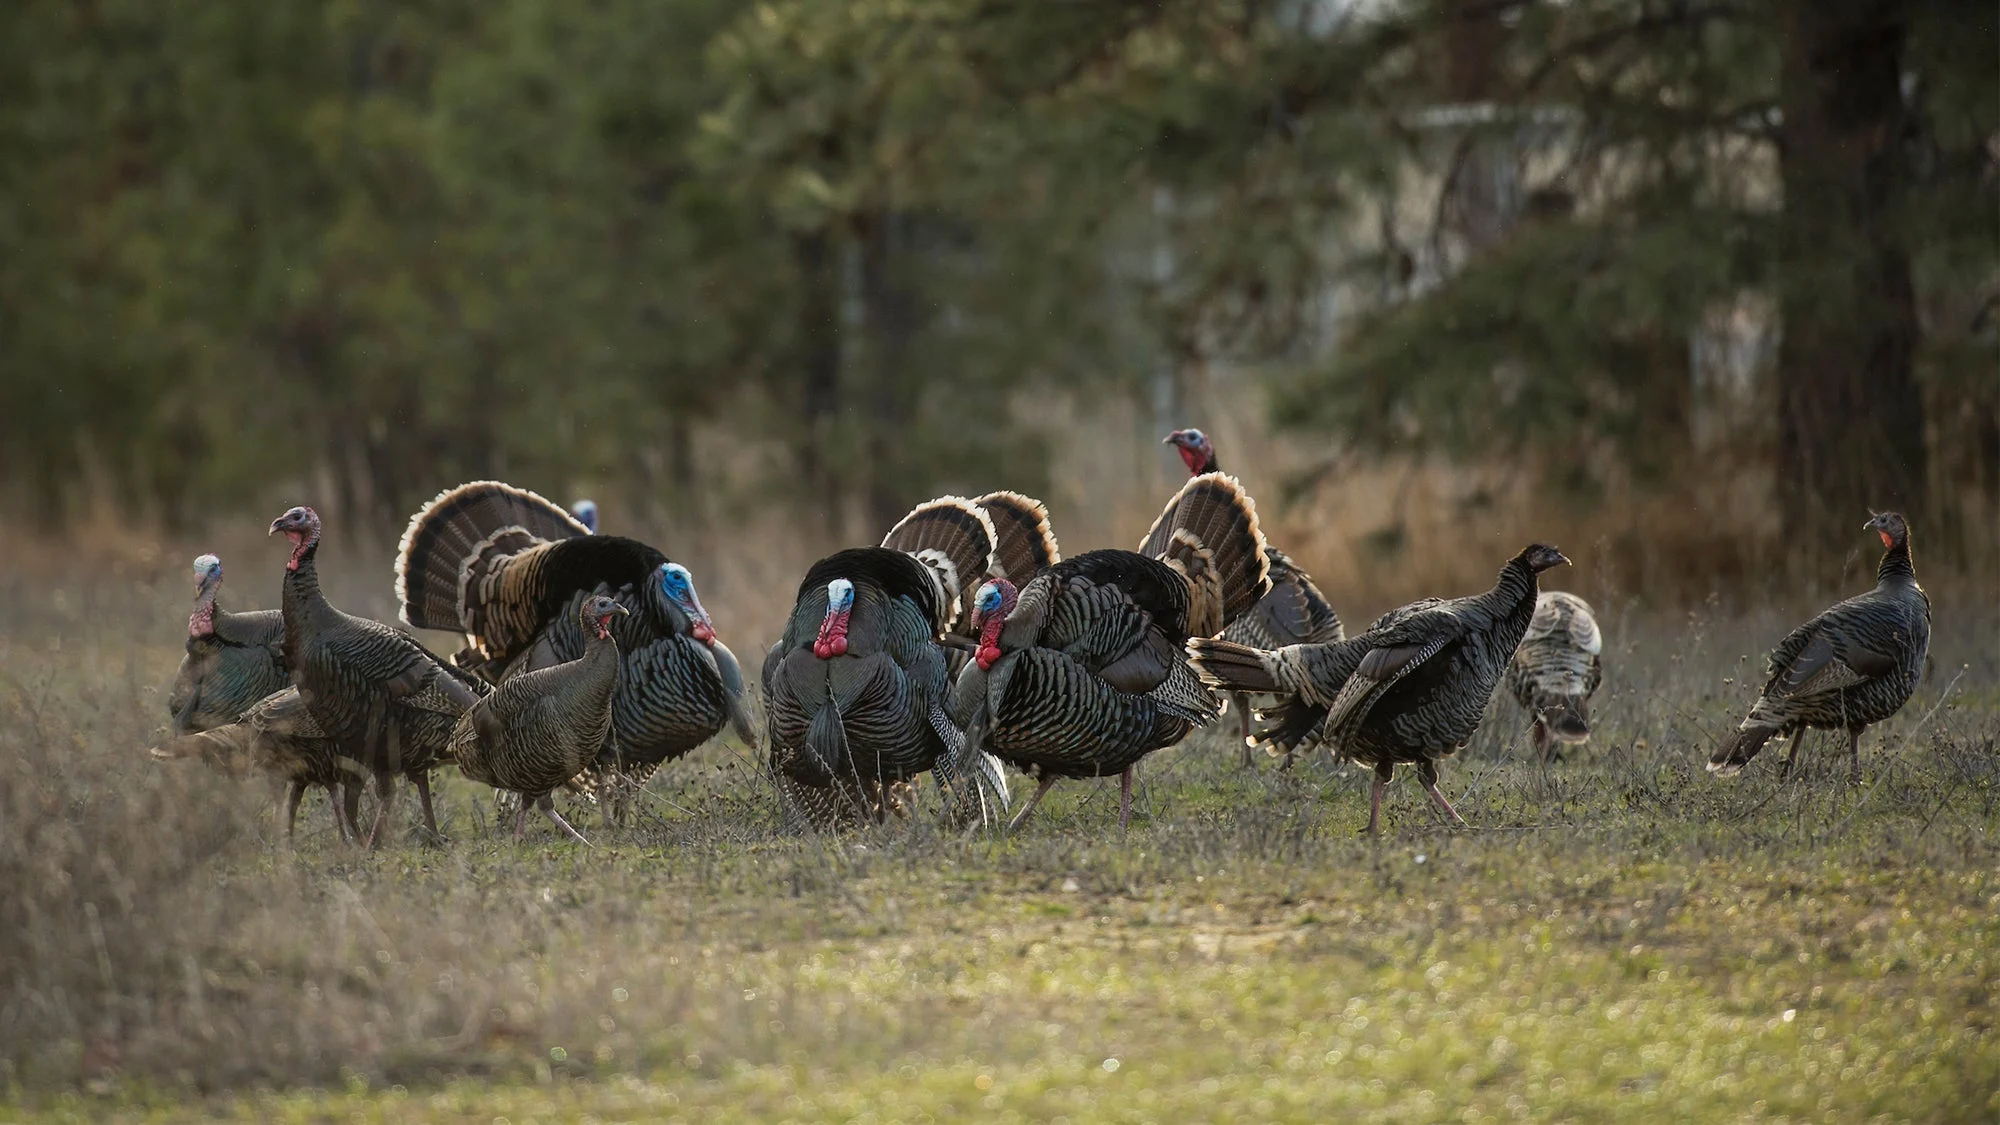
x=1896 y=565
x=303 y=605
x=1514 y=592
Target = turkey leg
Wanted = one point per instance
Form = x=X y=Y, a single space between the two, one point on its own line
x=423 y=780
x=1242 y=704
x=547 y=804
x=347 y=810
x=1125 y=797
x=293 y=796
x=1428 y=775
x=1854 y=756
x=1034 y=799
x=385 y=798
x=1383 y=774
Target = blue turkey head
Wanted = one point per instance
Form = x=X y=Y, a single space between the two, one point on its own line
x=207 y=573
x=678 y=586
x=585 y=512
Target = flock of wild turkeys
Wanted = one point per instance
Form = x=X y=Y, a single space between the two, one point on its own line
x=963 y=644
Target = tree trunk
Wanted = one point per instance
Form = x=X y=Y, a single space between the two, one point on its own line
x=1851 y=419
x=891 y=316
x=818 y=351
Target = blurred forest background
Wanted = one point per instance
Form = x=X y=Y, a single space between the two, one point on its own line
x=1706 y=276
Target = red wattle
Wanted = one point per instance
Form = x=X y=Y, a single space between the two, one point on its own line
x=987 y=656
x=1888 y=541
x=832 y=639
x=1194 y=458
x=703 y=632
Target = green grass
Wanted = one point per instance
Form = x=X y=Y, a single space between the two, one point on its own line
x=1622 y=937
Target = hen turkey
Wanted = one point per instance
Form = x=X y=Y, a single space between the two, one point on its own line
x=1852 y=666
x=1556 y=671
x=1410 y=690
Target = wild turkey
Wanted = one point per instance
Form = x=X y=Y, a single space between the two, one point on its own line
x=1557 y=669
x=277 y=736
x=585 y=512
x=511 y=571
x=381 y=697
x=233 y=659
x=855 y=689
x=1419 y=685
x=1024 y=545
x=1080 y=673
x=542 y=728
x=1294 y=612
x=1851 y=666
x=1305 y=678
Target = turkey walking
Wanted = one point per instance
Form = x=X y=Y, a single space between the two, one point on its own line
x=382 y=698
x=541 y=728
x=1305 y=678
x=855 y=689
x=1081 y=673
x=1294 y=612
x=1556 y=670
x=1420 y=683
x=510 y=570
x=233 y=659
x=1852 y=666
x=278 y=737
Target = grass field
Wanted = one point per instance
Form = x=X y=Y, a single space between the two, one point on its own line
x=1620 y=936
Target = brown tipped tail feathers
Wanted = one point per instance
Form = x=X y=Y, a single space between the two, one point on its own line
x=1025 y=545
x=1209 y=533
x=1735 y=752
x=952 y=536
x=461 y=532
x=1233 y=667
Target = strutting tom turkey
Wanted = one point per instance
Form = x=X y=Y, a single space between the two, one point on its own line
x=855 y=689
x=1556 y=671
x=1418 y=684
x=511 y=570
x=381 y=697
x=1852 y=666
x=1294 y=612
x=1080 y=673
x=542 y=728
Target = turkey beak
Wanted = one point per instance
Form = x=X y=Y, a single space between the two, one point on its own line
x=1563 y=559
x=276 y=526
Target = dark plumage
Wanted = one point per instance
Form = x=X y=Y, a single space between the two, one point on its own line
x=511 y=570
x=1557 y=669
x=1080 y=673
x=542 y=728
x=381 y=697
x=1419 y=681
x=277 y=736
x=233 y=659
x=1853 y=665
x=855 y=689
x=1294 y=612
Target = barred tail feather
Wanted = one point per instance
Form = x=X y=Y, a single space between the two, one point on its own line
x=1735 y=752
x=1211 y=524
x=1233 y=667
x=459 y=527
x=1025 y=545
x=952 y=536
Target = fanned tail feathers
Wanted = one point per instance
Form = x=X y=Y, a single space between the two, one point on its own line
x=1209 y=533
x=955 y=538
x=1024 y=543
x=459 y=532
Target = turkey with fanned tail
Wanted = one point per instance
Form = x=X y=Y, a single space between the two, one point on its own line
x=1294 y=612
x=1080 y=673
x=1410 y=690
x=1852 y=666
x=855 y=689
x=511 y=570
